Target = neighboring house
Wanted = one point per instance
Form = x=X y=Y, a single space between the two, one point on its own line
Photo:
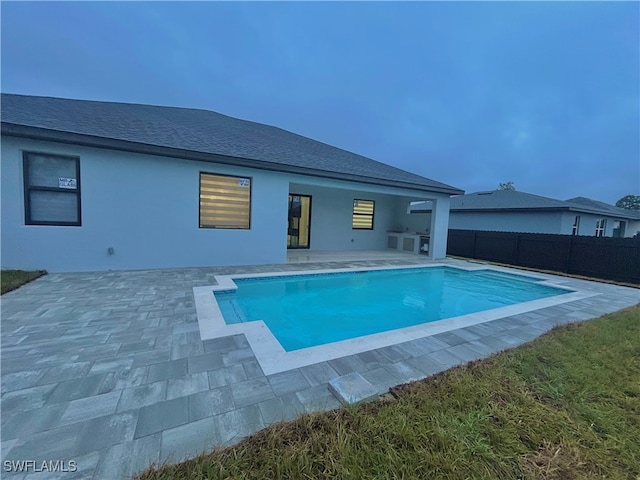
x=627 y=226
x=92 y=185
x=514 y=211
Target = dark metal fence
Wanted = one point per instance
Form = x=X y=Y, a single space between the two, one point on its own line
x=597 y=257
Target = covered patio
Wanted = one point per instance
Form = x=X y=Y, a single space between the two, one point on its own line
x=333 y=216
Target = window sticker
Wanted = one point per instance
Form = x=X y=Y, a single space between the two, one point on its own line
x=69 y=183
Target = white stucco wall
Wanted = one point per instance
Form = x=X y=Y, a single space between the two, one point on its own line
x=145 y=207
x=530 y=222
x=588 y=224
x=418 y=222
x=533 y=222
x=439 y=222
x=633 y=227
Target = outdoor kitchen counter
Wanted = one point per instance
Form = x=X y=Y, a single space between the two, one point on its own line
x=408 y=242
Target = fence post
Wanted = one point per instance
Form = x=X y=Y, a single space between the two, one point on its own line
x=475 y=235
x=568 y=260
x=516 y=246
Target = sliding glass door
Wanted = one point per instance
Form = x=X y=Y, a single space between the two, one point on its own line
x=299 y=232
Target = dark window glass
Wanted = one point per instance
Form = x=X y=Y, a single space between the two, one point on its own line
x=51 y=189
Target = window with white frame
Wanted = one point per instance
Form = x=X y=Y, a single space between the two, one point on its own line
x=225 y=201
x=51 y=189
x=601 y=225
x=576 y=226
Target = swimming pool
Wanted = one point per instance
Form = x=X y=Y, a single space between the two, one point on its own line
x=304 y=311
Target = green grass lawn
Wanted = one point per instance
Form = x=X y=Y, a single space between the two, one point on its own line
x=12 y=279
x=562 y=407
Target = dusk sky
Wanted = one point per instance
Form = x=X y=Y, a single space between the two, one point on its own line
x=544 y=94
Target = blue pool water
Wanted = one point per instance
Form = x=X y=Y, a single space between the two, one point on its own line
x=308 y=310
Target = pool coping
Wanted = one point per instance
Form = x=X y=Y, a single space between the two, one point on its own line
x=274 y=359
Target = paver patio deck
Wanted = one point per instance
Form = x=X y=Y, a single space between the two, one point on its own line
x=108 y=369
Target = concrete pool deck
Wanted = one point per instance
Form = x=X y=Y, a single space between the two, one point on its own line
x=108 y=369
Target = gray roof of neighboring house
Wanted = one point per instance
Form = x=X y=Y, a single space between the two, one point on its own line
x=604 y=207
x=503 y=199
x=513 y=201
x=198 y=135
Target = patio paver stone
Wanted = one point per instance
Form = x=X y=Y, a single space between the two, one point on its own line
x=352 y=388
x=108 y=368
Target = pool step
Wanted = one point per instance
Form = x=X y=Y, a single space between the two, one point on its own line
x=352 y=388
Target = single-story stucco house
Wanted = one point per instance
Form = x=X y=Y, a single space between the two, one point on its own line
x=625 y=222
x=514 y=211
x=89 y=185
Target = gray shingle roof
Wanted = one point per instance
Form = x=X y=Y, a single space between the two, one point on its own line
x=504 y=199
x=513 y=200
x=204 y=132
x=604 y=207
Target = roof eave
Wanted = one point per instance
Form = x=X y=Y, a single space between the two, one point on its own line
x=38 y=133
x=604 y=213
